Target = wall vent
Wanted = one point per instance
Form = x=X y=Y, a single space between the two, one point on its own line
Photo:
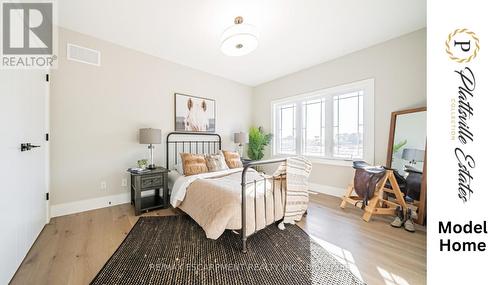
x=83 y=55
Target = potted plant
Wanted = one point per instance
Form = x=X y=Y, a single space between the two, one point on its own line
x=257 y=141
x=142 y=163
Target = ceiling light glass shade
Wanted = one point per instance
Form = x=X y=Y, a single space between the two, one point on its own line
x=239 y=40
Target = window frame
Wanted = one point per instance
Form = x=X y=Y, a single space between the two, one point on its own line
x=368 y=88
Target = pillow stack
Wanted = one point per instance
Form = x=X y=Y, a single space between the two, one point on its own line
x=216 y=162
x=193 y=164
x=233 y=159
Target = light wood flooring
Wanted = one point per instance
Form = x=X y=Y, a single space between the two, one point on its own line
x=72 y=249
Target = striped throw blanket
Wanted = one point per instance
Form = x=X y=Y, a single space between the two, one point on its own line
x=297 y=170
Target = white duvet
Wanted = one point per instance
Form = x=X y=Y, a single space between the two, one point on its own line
x=213 y=200
x=182 y=183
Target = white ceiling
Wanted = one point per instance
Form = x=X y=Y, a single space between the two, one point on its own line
x=294 y=34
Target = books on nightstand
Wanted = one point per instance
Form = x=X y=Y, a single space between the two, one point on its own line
x=136 y=170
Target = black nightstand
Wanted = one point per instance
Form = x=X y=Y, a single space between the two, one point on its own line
x=156 y=180
x=245 y=160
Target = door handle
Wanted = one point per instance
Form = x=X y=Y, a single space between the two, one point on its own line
x=28 y=146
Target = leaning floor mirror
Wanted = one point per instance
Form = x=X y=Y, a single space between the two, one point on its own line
x=406 y=154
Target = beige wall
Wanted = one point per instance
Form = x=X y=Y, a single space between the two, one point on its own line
x=399 y=69
x=96 y=113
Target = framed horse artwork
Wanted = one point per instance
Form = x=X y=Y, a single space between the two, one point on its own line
x=194 y=114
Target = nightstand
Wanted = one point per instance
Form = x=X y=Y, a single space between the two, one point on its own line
x=245 y=160
x=156 y=180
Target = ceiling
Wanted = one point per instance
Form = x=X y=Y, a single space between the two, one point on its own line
x=294 y=34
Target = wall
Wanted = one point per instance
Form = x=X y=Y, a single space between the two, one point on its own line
x=399 y=69
x=96 y=113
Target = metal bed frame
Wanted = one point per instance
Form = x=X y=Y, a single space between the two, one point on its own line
x=178 y=142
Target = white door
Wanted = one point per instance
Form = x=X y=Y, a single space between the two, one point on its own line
x=23 y=183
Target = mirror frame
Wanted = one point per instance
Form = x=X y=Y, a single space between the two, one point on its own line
x=423 y=187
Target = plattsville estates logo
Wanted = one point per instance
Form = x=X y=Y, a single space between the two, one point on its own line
x=462 y=45
x=27 y=35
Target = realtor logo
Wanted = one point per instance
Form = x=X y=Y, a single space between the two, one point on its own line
x=27 y=35
x=462 y=45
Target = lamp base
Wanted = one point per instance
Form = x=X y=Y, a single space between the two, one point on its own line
x=152 y=166
x=240 y=150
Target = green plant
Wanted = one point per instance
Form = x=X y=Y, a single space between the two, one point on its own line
x=142 y=163
x=257 y=140
x=398 y=146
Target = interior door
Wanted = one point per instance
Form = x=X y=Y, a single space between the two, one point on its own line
x=23 y=183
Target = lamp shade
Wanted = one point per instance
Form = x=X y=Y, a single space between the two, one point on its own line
x=150 y=136
x=241 y=138
x=413 y=154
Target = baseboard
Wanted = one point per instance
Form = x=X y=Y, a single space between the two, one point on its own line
x=326 y=189
x=89 y=204
x=123 y=198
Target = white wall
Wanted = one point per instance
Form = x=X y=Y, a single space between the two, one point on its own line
x=399 y=69
x=96 y=113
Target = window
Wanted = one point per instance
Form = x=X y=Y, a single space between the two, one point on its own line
x=287 y=129
x=326 y=124
x=313 y=127
x=348 y=125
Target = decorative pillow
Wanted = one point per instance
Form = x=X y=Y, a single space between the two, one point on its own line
x=193 y=163
x=233 y=159
x=216 y=162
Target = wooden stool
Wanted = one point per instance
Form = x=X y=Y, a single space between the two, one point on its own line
x=377 y=205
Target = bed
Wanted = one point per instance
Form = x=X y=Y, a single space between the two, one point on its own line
x=239 y=199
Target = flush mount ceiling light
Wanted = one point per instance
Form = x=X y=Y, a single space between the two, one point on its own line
x=239 y=39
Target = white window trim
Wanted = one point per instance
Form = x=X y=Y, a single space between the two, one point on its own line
x=368 y=87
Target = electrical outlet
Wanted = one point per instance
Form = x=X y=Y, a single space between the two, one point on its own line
x=124 y=182
x=103 y=186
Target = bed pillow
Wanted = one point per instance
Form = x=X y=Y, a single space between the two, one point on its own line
x=193 y=164
x=216 y=162
x=233 y=159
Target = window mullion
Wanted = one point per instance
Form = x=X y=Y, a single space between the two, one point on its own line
x=278 y=115
x=298 y=128
x=329 y=126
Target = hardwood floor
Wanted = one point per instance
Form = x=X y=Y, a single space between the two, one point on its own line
x=72 y=249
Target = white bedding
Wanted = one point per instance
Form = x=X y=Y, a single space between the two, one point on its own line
x=213 y=200
x=181 y=183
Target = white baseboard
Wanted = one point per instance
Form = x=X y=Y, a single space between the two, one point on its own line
x=326 y=189
x=89 y=204
x=123 y=198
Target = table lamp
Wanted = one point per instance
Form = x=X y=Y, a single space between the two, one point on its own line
x=413 y=155
x=240 y=138
x=150 y=136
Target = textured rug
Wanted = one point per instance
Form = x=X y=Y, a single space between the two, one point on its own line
x=174 y=250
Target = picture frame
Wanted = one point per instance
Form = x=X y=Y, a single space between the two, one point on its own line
x=194 y=114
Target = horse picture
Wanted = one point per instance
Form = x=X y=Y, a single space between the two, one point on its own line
x=194 y=114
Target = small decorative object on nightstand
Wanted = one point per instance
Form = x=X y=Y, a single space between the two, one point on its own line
x=156 y=180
